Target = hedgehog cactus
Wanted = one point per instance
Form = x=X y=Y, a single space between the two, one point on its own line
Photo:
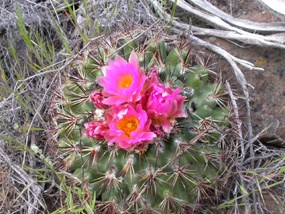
x=141 y=127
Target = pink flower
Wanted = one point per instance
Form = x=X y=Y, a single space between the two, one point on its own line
x=128 y=126
x=96 y=129
x=163 y=105
x=97 y=98
x=152 y=79
x=123 y=81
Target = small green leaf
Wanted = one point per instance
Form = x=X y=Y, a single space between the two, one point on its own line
x=7 y=138
x=243 y=190
x=282 y=170
x=23 y=31
x=162 y=51
x=93 y=201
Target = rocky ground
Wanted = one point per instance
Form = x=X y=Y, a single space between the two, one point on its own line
x=267 y=91
x=268 y=88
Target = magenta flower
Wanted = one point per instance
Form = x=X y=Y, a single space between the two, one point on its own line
x=163 y=105
x=123 y=81
x=97 y=99
x=128 y=126
x=136 y=108
x=152 y=79
x=96 y=129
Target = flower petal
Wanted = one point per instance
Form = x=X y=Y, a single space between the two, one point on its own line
x=133 y=59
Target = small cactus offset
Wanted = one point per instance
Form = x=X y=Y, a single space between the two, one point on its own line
x=141 y=126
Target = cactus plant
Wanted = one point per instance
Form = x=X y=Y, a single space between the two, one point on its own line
x=138 y=156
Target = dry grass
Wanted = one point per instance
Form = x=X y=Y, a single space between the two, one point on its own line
x=37 y=42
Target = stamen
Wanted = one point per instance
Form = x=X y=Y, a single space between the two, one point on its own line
x=125 y=81
x=128 y=124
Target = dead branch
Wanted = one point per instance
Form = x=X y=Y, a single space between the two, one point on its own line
x=228 y=30
x=237 y=118
x=241 y=23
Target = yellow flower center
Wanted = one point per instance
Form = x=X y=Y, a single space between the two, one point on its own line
x=125 y=81
x=128 y=124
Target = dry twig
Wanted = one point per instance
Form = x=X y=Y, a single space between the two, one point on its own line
x=32 y=189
